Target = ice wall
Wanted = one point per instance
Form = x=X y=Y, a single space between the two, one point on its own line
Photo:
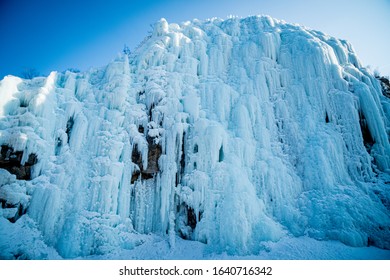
x=229 y=132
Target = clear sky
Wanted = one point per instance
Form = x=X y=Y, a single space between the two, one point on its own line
x=59 y=34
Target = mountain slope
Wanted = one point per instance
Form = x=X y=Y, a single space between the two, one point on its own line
x=230 y=133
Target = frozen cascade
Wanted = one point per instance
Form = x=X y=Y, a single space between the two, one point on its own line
x=228 y=132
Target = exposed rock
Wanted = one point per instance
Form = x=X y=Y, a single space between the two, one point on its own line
x=136 y=156
x=12 y=161
x=385 y=84
x=154 y=153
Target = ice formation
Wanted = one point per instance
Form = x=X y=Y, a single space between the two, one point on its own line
x=227 y=132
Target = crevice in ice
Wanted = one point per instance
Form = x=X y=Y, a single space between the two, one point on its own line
x=69 y=126
x=326 y=117
x=368 y=140
x=221 y=155
x=136 y=158
x=13 y=210
x=181 y=160
x=182 y=157
x=141 y=129
x=12 y=161
x=58 y=146
x=191 y=218
x=23 y=103
x=150 y=113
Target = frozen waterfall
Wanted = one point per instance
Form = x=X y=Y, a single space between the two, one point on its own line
x=227 y=132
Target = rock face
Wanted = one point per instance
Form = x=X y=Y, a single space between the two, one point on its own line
x=12 y=161
x=385 y=84
x=229 y=133
x=154 y=153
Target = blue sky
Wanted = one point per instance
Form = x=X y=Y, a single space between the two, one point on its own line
x=59 y=34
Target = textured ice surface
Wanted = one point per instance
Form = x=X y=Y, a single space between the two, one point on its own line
x=229 y=132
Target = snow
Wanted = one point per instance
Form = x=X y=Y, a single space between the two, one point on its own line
x=288 y=248
x=23 y=241
x=24 y=235
x=242 y=136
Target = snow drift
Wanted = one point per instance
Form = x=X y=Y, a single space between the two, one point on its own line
x=227 y=132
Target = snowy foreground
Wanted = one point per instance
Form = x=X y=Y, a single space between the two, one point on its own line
x=244 y=138
x=154 y=247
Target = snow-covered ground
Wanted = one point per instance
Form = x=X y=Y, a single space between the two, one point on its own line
x=155 y=247
x=238 y=134
x=288 y=248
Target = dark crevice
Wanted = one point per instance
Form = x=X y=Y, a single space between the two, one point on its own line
x=221 y=154
x=69 y=127
x=326 y=117
x=58 y=146
x=190 y=221
x=23 y=103
x=368 y=140
x=177 y=179
x=20 y=256
x=150 y=113
x=280 y=124
x=154 y=153
x=182 y=158
x=5 y=204
x=370 y=242
x=11 y=161
x=21 y=210
x=191 y=218
x=20 y=213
